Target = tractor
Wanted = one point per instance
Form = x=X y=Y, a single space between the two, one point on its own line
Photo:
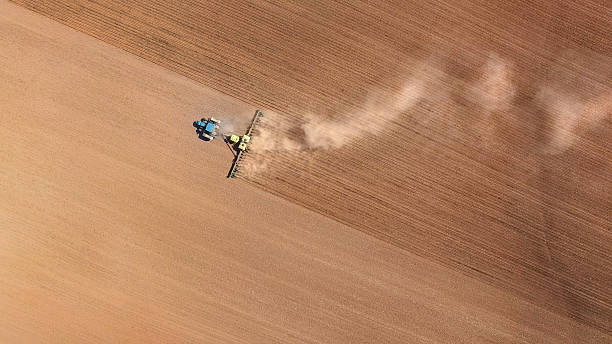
x=207 y=128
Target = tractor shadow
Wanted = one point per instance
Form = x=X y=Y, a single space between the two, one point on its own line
x=231 y=146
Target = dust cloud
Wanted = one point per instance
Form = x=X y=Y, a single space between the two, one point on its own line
x=571 y=117
x=272 y=134
x=229 y=125
x=372 y=120
x=314 y=132
x=494 y=90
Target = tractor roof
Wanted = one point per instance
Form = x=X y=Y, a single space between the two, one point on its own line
x=210 y=127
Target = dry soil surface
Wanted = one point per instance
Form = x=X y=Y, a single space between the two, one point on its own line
x=473 y=133
x=484 y=148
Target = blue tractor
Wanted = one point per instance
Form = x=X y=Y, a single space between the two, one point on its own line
x=207 y=128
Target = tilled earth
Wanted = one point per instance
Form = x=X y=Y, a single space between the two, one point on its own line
x=497 y=167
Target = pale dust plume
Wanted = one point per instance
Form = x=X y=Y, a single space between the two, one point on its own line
x=371 y=120
x=228 y=126
x=492 y=93
x=253 y=166
x=570 y=117
x=313 y=132
x=272 y=135
x=494 y=90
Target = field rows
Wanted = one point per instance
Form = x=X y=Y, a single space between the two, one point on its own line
x=474 y=189
x=440 y=203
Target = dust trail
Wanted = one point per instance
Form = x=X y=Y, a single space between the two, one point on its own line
x=253 y=166
x=494 y=90
x=228 y=125
x=273 y=135
x=314 y=132
x=571 y=117
x=371 y=120
x=491 y=94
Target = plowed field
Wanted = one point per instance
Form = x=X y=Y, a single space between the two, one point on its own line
x=473 y=134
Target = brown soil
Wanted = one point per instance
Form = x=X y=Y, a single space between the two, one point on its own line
x=489 y=173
